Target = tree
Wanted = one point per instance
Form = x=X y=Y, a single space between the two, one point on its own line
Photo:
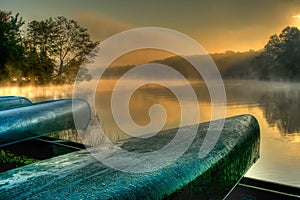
x=38 y=68
x=39 y=65
x=61 y=42
x=11 y=48
x=281 y=56
x=273 y=47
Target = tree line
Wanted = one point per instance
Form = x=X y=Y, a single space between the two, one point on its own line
x=280 y=58
x=47 y=51
x=52 y=50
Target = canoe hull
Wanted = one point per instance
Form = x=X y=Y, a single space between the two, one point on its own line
x=7 y=102
x=26 y=122
x=79 y=175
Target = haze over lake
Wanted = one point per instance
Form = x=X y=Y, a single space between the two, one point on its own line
x=274 y=104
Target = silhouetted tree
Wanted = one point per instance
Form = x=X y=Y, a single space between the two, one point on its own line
x=11 y=48
x=61 y=42
x=273 y=48
x=37 y=67
x=281 y=56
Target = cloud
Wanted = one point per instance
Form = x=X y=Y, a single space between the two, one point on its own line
x=101 y=26
x=217 y=25
x=244 y=25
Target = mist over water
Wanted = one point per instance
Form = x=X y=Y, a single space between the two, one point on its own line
x=276 y=105
x=38 y=93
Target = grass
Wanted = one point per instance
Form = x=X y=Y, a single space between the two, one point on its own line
x=9 y=160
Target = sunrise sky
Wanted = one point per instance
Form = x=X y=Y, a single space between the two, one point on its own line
x=217 y=25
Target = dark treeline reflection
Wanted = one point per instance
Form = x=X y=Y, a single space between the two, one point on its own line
x=281 y=109
x=279 y=101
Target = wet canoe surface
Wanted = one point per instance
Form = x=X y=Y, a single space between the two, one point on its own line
x=7 y=102
x=37 y=119
x=79 y=175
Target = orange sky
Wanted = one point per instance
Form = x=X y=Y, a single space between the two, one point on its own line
x=217 y=25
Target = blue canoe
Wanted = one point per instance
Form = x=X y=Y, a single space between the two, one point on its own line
x=78 y=175
x=22 y=120
x=7 y=102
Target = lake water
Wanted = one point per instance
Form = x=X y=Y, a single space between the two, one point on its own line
x=276 y=106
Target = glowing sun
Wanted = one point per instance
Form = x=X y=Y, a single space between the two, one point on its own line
x=296 y=22
x=297 y=16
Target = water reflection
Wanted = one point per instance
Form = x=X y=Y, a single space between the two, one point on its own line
x=279 y=102
x=275 y=105
x=281 y=109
